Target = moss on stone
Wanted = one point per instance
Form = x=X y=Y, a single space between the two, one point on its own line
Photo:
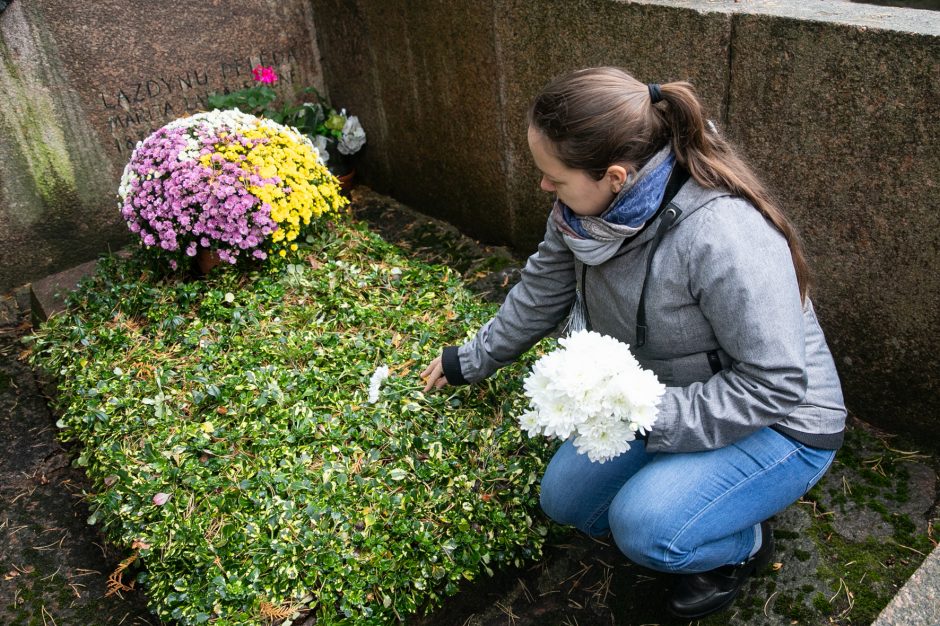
x=55 y=598
x=902 y=492
x=29 y=115
x=871 y=571
x=794 y=608
x=904 y=527
x=821 y=603
x=781 y=534
x=861 y=576
x=801 y=555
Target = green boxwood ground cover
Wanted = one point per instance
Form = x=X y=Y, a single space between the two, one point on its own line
x=240 y=402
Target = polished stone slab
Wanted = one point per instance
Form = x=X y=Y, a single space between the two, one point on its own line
x=918 y=602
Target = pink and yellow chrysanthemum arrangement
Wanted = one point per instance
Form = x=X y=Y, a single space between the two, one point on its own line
x=243 y=186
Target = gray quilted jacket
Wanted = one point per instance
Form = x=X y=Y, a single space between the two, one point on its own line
x=725 y=329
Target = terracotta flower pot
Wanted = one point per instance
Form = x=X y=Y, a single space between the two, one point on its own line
x=206 y=259
x=347 y=181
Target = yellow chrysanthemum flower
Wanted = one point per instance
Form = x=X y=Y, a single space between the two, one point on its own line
x=297 y=187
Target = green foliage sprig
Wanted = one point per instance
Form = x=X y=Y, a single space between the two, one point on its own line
x=335 y=134
x=310 y=118
x=226 y=430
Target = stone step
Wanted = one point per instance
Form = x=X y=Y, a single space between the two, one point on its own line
x=47 y=296
x=918 y=601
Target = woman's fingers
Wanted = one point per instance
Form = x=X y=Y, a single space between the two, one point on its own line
x=430 y=368
x=434 y=375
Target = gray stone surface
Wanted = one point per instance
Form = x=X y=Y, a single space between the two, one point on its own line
x=82 y=82
x=918 y=602
x=859 y=521
x=426 y=86
x=48 y=295
x=841 y=122
x=863 y=13
x=9 y=310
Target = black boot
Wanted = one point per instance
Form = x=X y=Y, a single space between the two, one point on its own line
x=698 y=595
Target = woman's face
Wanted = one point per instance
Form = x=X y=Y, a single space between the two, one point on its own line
x=583 y=195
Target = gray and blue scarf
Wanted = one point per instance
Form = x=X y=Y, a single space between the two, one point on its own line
x=596 y=239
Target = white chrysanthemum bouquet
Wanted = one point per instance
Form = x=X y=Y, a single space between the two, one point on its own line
x=591 y=387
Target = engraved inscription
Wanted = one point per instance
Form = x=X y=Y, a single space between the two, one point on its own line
x=137 y=109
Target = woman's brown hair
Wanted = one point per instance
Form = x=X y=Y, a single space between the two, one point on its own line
x=601 y=116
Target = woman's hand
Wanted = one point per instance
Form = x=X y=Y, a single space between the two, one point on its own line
x=434 y=375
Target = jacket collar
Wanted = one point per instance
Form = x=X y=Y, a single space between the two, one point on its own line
x=691 y=197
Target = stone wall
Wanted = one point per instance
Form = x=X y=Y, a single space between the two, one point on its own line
x=834 y=103
x=82 y=82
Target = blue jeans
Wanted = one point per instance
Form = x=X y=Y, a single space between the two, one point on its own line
x=685 y=512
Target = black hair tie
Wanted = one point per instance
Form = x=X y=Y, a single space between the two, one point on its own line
x=655 y=93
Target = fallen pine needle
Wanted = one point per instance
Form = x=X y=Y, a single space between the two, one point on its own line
x=767 y=604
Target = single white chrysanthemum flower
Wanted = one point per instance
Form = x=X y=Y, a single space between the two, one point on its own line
x=529 y=422
x=559 y=418
x=603 y=439
x=375 y=383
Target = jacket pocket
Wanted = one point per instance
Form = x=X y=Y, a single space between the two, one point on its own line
x=685 y=370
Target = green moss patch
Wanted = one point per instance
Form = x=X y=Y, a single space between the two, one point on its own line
x=870 y=474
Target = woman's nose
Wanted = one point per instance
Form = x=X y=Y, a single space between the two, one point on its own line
x=545 y=185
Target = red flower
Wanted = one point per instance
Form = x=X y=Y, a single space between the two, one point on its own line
x=264 y=74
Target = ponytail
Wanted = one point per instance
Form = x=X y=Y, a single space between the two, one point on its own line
x=711 y=160
x=601 y=116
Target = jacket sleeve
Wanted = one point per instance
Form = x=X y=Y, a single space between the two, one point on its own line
x=741 y=274
x=531 y=311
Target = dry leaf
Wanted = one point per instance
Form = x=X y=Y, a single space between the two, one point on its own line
x=115 y=584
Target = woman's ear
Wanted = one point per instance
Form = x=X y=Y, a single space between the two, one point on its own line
x=617 y=176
